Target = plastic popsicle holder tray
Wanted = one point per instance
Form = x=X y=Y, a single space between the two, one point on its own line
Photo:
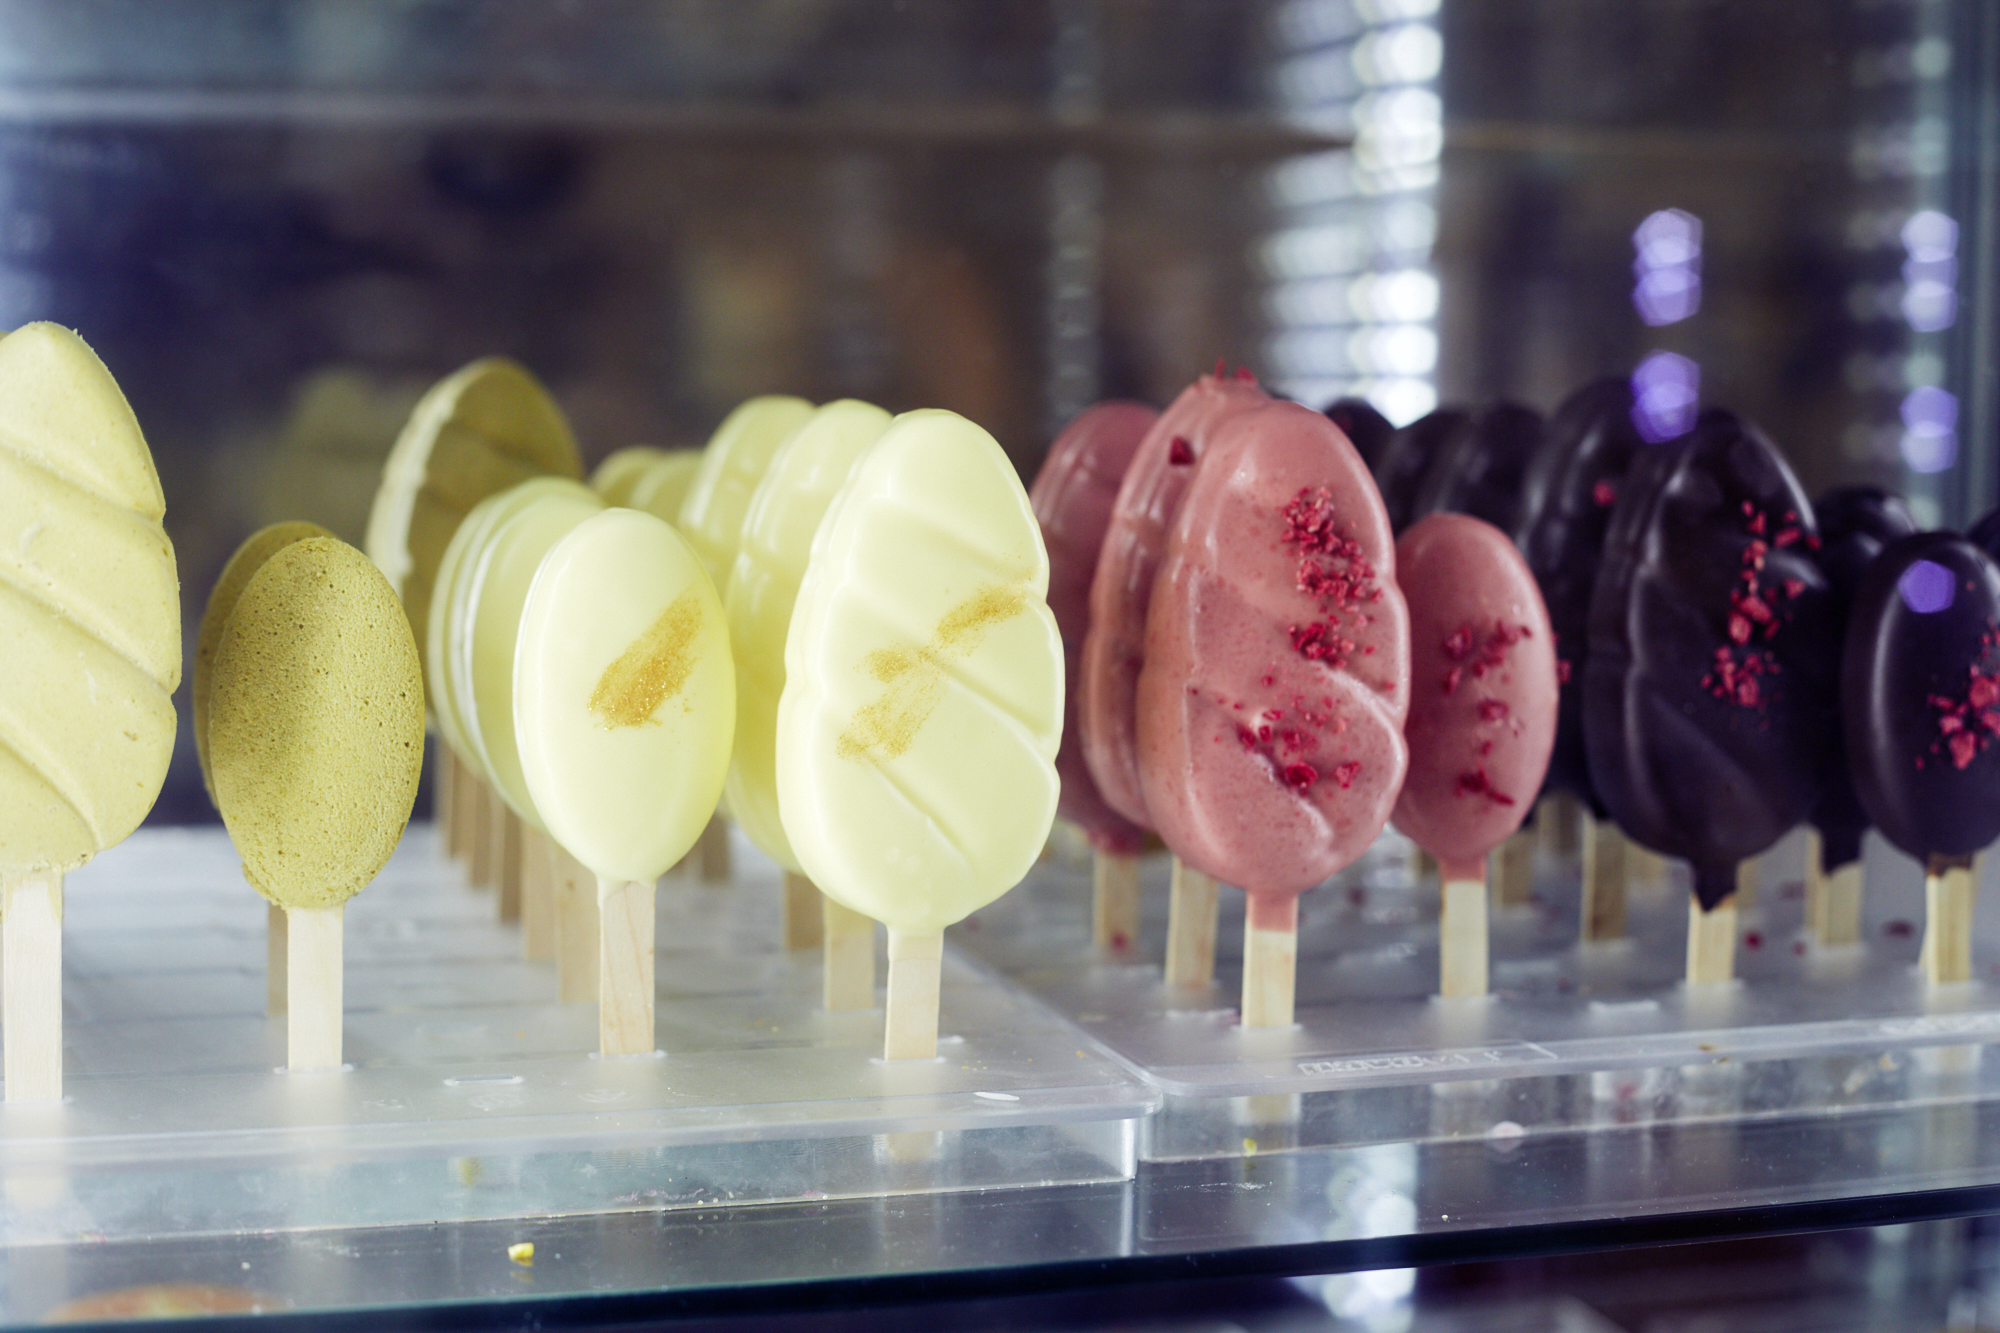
x=470 y=1093
x=1570 y=1039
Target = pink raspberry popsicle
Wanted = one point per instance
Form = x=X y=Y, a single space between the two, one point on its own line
x=1072 y=497
x=1114 y=648
x=1277 y=677
x=1483 y=695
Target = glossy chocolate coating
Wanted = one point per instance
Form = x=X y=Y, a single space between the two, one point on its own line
x=1408 y=456
x=1567 y=496
x=1920 y=677
x=1709 y=691
x=1985 y=534
x=1855 y=524
x=1365 y=428
x=1478 y=471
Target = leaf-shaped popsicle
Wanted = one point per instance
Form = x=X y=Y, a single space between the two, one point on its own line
x=316 y=739
x=1482 y=716
x=1073 y=494
x=621 y=469
x=1709 y=691
x=922 y=709
x=1114 y=645
x=624 y=704
x=1567 y=497
x=1920 y=683
x=1277 y=677
x=90 y=620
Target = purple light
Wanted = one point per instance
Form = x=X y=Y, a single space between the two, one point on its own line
x=1666 y=392
x=1930 y=426
x=1930 y=235
x=1668 y=267
x=1927 y=587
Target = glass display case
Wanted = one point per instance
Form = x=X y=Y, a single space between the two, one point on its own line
x=280 y=221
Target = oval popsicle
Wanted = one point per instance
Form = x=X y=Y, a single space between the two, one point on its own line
x=1277 y=676
x=1920 y=677
x=1855 y=524
x=624 y=705
x=1709 y=689
x=316 y=740
x=734 y=461
x=90 y=620
x=1482 y=716
x=1073 y=495
x=480 y=430
x=236 y=575
x=922 y=709
x=621 y=469
x=1365 y=428
x=662 y=489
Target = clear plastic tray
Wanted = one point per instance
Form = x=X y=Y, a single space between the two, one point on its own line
x=1570 y=1038
x=471 y=1093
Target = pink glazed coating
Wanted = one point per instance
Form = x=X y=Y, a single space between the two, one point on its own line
x=1072 y=495
x=1114 y=649
x=1277 y=665
x=1482 y=690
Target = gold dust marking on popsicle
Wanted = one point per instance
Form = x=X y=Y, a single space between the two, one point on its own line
x=915 y=677
x=652 y=670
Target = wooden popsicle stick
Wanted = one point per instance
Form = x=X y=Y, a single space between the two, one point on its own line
x=1270 y=961
x=910 y=1027
x=538 y=894
x=31 y=912
x=465 y=795
x=716 y=866
x=1603 y=881
x=1644 y=867
x=1840 y=910
x=576 y=931
x=625 y=967
x=1462 y=943
x=313 y=980
x=1114 y=900
x=1748 y=876
x=1422 y=864
x=1815 y=882
x=443 y=775
x=803 y=914
x=1514 y=870
x=277 y=957
x=847 y=982
x=482 y=860
x=1948 y=902
x=508 y=870
x=1711 y=948
x=1192 y=904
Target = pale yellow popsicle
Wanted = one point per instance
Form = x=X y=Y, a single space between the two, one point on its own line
x=478 y=431
x=784 y=514
x=90 y=653
x=614 y=477
x=89 y=609
x=624 y=703
x=506 y=565
x=922 y=706
x=663 y=488
x=737 y=455
x=624 y=695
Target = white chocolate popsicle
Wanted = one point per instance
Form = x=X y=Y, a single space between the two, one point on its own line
x=718 y=498
x=922 y=707
x=620 y=471
x=624 y=707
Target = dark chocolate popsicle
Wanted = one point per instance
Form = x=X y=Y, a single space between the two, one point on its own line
x=1709 y=690
x=1920 y=681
